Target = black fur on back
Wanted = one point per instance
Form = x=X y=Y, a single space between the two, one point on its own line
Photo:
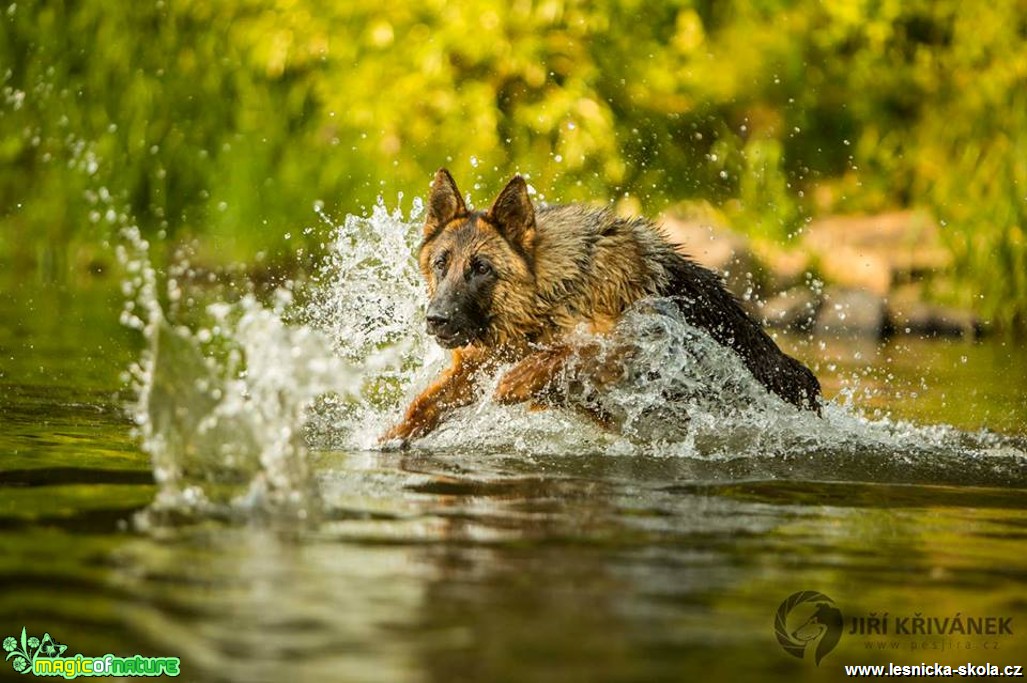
x=707 y=304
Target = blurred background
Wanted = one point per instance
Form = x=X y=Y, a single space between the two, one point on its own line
x=228 y=122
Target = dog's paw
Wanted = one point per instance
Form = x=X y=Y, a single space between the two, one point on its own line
x=390 y=445
x=398 y=438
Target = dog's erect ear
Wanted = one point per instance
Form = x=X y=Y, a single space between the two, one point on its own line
x=444 y=203
x=514 y=215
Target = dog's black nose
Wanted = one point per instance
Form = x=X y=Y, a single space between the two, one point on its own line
x=437 y=321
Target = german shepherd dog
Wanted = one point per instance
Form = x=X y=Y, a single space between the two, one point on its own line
x=512 y=285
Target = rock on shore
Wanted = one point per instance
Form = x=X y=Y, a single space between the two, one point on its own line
x=862 y=276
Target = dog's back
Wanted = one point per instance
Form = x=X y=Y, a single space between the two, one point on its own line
x=591 y=265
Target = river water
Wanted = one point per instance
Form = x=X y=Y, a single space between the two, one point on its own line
x=194 y=473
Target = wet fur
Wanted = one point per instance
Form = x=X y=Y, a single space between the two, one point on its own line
x=548 y=271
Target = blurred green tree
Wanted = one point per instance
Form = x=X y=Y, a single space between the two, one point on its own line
x=227 y=120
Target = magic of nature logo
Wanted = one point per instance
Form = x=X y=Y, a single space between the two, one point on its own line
x=46 y=657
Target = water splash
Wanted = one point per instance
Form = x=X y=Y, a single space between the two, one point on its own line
x=368 y=300
x=221 y=403
x=233 y=392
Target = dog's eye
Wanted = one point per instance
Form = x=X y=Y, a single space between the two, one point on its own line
x=440 y=261
x=482 y=267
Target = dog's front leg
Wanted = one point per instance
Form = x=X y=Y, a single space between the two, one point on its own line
x=456 y=387
x=566 y=375
x=535 y=377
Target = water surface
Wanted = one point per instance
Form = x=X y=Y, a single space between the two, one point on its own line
x=513 y=546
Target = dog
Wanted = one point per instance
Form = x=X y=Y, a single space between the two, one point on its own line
x=513 y=284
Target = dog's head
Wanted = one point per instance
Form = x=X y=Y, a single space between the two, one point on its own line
x=478 y=265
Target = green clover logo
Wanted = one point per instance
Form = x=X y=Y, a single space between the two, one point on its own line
x=25 y=651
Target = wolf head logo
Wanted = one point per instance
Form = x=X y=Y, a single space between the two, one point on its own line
x=808 y=624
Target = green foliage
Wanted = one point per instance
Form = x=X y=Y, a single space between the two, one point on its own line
x=228 y=120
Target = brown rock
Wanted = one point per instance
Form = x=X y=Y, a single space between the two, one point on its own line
x=852 y=312
x=910 y=314
x=856 y=269
x=795 y=309
x=873 y=252
x=784 y=268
